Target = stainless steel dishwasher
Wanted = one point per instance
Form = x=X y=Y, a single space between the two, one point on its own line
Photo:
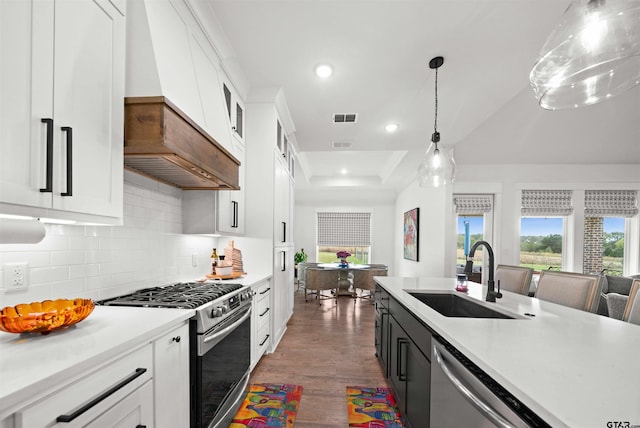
x=462 y=395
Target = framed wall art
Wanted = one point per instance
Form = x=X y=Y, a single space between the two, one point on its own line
x=411 y=233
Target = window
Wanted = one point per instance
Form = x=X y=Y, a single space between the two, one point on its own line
x=348 y=231
x=474 y=218
x=613 y=245
x=542 y=228
x=541 y=242
x=606 y=213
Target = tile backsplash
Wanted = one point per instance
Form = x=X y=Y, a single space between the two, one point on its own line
x=103 y=261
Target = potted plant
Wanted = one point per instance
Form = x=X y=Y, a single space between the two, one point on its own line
x=300 y=256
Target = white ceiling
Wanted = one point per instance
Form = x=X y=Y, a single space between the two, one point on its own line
x=380 y=50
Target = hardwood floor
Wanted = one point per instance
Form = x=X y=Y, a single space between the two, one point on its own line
x=326 y=348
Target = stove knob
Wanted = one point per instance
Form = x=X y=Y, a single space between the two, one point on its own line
x=216 y=312
x=225 y=309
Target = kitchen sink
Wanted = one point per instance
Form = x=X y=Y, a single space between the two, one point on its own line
x=453 y=305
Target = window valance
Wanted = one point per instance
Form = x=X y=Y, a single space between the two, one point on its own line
x=473 y=204
x=610 y=203
x=547 y=202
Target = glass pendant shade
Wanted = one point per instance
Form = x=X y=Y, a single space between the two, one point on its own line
x=437 y=168
x=594 y=54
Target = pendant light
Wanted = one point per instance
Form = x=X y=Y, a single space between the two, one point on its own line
x=438 y=167
x=593 y=55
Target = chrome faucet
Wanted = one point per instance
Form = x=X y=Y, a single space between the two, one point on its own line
x=492 y=294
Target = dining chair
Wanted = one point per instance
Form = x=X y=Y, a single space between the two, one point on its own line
x=363 y=280
x=575 y=290
x=378 y=266
x=632 y=310
x=300 y=279
x=319 y=280
x=516 y=279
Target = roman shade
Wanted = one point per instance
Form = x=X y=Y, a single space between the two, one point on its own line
x=344 y=229
x=547 y=202
x=610 y=203
x=473 y=204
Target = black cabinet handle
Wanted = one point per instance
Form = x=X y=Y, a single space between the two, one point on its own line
x=402 y=356
x=49 y=171
x=69 y=131
x=141 y=426
x=234 y=222
x=284 y=231
x=264 y=313
x=101 y=397
x=265 y=291
x=265 y=340
x=176 y=339
x=283 y=261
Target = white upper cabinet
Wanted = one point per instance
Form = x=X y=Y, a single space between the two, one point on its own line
x=234 y=109
x=61 y=118
x=231 y=203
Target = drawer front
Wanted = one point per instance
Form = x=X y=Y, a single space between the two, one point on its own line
x=91 y=392
x=263 y=338
x=135 y=410
x=263 y=308
x=263 y=290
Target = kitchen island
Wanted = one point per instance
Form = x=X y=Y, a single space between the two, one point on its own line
x=572 y=368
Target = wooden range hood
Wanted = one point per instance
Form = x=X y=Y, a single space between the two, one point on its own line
x=163 y=143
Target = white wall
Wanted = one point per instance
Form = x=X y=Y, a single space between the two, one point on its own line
x=432 y=230
x=437 y=228
x=382 y=219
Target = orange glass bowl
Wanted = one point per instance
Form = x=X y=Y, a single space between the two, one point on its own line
x=44 y=317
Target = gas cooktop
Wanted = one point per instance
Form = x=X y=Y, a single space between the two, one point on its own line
x=182 y=295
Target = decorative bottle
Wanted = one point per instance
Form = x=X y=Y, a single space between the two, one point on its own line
x=214 y=261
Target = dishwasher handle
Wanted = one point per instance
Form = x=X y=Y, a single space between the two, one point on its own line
x=466 y=392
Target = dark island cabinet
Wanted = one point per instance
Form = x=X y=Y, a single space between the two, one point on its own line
x=382 y=329
x=406 y=365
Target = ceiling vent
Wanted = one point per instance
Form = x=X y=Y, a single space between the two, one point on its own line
x=342 y=144
x=345 y=118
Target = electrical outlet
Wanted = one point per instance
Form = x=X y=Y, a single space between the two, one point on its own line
x=15 y=276
x=194 y=260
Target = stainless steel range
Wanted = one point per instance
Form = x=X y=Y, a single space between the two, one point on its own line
x=220 y=343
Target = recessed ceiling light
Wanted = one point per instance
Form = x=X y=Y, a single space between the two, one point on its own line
x=343 y=171
x=391 y=127
x=323 y=71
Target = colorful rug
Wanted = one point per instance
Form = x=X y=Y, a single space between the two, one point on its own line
x=268 y=405
x=372 y=408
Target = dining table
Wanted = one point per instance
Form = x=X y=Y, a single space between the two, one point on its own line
x=345 y=286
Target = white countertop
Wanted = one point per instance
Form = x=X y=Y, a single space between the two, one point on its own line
x=32 y=363
x=572 y=368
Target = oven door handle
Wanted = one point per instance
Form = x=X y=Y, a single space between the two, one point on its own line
x=226 y=330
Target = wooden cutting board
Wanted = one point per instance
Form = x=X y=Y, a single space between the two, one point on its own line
x=233 y=275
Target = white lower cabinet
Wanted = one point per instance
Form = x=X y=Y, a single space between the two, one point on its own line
x=90 y=398
x=260 y=320
x=135 y=410
x=171 y=378
x=148 y=387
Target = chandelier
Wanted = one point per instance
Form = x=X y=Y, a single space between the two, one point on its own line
x=437 y=168
x=591 y=56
